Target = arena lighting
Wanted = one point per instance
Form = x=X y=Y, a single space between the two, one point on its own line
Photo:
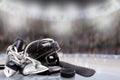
x=70 y=13
x=14 y=19
x=14 y=23
x=53 y=12
x=62 y=22
x=106 y=23
x=61 y=27
x=11 y=8
x=58 y=16
x=94 y=11
x=35 y=11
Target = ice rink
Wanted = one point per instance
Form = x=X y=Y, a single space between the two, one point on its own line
x=106 y=66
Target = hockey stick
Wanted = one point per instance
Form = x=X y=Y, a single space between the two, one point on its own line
x=86 y=72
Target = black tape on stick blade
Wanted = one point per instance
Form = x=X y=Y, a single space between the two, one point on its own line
x=86 y=72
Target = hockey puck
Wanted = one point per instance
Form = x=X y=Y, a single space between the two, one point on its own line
x=67 y=72
x=1 y=66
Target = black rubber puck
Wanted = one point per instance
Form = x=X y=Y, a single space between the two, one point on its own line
x=1 y=67
x=67 y=72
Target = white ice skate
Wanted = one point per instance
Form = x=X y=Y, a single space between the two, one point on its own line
x=17 y=61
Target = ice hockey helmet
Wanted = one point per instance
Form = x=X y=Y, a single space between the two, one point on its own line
x=44 y=50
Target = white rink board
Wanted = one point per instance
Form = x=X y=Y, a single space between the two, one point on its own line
x=107 y=68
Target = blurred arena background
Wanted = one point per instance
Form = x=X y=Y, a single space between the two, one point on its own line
x=79 y=27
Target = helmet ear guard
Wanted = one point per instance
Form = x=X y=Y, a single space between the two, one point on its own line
x=53 y=60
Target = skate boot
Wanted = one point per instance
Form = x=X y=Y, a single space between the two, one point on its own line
x=15 y=57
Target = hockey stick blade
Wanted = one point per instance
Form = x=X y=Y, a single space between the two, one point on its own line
x=1 y=66
x=86 y=72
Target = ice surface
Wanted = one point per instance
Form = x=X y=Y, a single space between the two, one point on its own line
x=106 y=69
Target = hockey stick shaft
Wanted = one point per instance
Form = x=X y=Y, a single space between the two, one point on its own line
x=86 y=72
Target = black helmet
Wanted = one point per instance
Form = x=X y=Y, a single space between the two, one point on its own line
x=44 y=50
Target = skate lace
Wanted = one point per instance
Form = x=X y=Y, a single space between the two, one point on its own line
x=15 y=54
x=18 y=59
